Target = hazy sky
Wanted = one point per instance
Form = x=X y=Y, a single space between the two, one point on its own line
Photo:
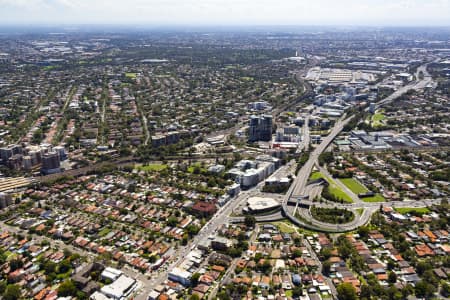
x=227 y=12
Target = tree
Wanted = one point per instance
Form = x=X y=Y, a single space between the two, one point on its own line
x=390 y=264
x=445 y=291
x=64 y=266
x=392 y=277
x=15 y=264
x=363 y=232
x=194 y=297
x=297 y=291
x=12 y=292
x=326 y=267
x=326 y=158
x=185 y=239
x=325 y=253
x=2 y=286
x=49 y=267
x=422 y=266
x=365 y=292
x=424 y=289
x=194 y=279
x=430 y=277
x=393 y=293
x=223 y=296
x=345 y=249
x=172 y=221
x=250 y=221
x=67 y=288
x=192 y=230
x=346 y=291
x=297 y=253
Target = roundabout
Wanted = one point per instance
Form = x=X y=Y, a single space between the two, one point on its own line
x=296 y=204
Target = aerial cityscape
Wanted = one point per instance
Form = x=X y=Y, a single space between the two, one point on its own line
x=263 y=162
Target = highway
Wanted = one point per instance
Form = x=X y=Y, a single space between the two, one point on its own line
x=298 y=187
x=415 y=85
x=299 y=184
x=304 y=145
x=339 y=183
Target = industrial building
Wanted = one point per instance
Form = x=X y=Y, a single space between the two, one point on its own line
x=120 y=289
x=181 y=276
x=110 y=274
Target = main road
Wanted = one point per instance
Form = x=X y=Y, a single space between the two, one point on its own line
x=221 y=217
x=298 y=187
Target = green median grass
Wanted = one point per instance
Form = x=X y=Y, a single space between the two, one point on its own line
x=334 y=189
x=316 y=175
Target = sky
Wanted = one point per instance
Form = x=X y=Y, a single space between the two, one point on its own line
x=227 y=12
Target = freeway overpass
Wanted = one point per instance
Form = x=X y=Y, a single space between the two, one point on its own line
x=298 y=186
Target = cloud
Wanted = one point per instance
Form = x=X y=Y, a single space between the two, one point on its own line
x=317 y=12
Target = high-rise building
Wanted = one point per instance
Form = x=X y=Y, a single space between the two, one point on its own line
x=7 y=152
x=61 y=152
x=260 y=128
x=50 y=163
x=372 y=108
x=5 y=200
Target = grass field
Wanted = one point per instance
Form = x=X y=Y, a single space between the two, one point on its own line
x=284 y=227
x=152 y=168
x=376 y=198
x=354 y=185
x=377 y=118
x=104 y=232
x=316 y=175
x=48 y=68
x=193 y=166
x=406 y=210
x=130 y=75
x=334 y=189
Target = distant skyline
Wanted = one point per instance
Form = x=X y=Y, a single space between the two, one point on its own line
x=227 y=12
